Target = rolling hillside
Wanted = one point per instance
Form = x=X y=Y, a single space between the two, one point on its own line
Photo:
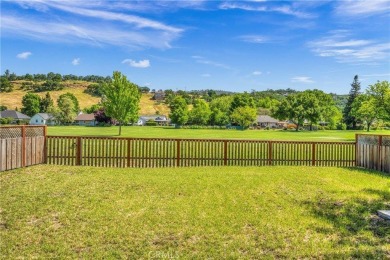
x=14 y=99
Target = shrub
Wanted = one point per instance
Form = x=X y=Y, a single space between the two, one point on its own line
x=341 y=126
x=151 y=122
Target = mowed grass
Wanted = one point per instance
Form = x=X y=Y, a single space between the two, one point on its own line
x=171 y=132
x=219 y=212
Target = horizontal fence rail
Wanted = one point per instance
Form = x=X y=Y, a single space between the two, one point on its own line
x=373 y=152
x=21 y=146
x=166 y=152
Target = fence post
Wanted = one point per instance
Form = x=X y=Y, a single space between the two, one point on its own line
x=78 y=151
x=356 y=149
x=269 y=152
x=178 y=152
x=128 y=152
x=23 y=145
x=225 y=152
x=45 y=144
x=379 y=161
x=313 y=154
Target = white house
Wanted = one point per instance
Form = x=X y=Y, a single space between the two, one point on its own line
x=159 y=119
x=42 y=119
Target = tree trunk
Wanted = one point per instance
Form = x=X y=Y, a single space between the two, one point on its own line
x=120 y=128
x=311 y=127
x=297 y=128
x=368 y=127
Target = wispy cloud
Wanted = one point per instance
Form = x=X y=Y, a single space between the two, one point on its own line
x=339 y=45
x=302 y=79
x=202 y=60
x=137 y=64
x=24 y=55
x=206 y=75
x=102 y=27
x=362 y=7
x=263 y=6
x=253 y=38
x=76 y=61
x=257 y=73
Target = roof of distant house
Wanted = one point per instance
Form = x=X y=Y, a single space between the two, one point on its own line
x=154 y=117
x=266 y=119
x=85 y=117
x=14 y=114
x=45 y=116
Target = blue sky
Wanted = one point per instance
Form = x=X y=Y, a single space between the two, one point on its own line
x=229 y=45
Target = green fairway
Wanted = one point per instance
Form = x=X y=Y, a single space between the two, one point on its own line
x=220 y=212
x=169 y=132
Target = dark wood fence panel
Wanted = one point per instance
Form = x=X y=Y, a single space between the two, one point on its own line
x=166 y=152
x=22 y=146
x=373 y=152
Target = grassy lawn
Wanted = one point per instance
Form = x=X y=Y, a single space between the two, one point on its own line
x=170 y=132
x=221 y=212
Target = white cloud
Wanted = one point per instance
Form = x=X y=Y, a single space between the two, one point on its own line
x=253 y=38
x=24 y=55
x=363 y=7
x=302 y=79
x=103 y=26
x=206 y=75
x=76 y=61
x=257 y=73
x=202 y=60
x=137 y=64
x=339 y=45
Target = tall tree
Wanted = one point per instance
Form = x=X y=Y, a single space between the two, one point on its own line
x=179 y=110
x=121 y=99
x=380 y=92
x=66 y=110
x=30 y=103
x=76 y=107
x=348 y=118
x=364 y=108
x=200 y=113
x=5 y=85
x=244 y=116
x=45 y=103
x=242 y=100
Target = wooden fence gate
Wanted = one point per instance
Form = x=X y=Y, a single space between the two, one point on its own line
x=22 y=146
x=373 y=152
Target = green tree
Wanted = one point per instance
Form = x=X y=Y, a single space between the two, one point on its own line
x=31 y=104
x=348 y=118
x=60 y=99
x=200 y=113
x=364 y=108
x=242 y=100
x=244 y=116
x=66 y=110
x=220 y=110
x=297 y=108
x=45 y=103
x=5 y=85
x=179 y=110
x=121 y=99
x=92 y=109
x=324 y=107
x=380 y=92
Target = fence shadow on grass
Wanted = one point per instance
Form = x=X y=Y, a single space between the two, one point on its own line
x=355 y=220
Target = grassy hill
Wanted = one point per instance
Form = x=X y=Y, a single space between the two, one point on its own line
x=14 y=99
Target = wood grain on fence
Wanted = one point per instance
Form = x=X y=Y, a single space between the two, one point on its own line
x=373 y=152
x=169 y=152
x=21 y=146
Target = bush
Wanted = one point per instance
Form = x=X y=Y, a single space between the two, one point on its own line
x=6 y=120
x=341 y=126
x=151 y=122
x=95 y=89
x=48 y=85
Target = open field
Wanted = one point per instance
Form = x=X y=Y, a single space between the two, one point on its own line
x=170 y=132
x=252 y=212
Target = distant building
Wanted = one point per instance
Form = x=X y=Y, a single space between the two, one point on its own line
x=42 y=119
x=86 y=119
x=267 y=121
x=15 y=115
x=159 y=119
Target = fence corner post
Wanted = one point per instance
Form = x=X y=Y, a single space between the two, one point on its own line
x=78 y=151
x=23 y=145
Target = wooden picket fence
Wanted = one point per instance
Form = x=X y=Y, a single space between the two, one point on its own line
x=22 y=146
x=168 y=152
x=373 y=152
